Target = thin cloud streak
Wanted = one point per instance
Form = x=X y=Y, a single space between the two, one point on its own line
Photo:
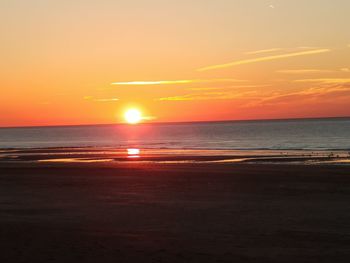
x=311 y=93
x=106 y=100
x=228 y=88
x=91 y=98
x=149 y=118
x=325 y=81
x=303 y=71
x=172 y=82
x=263 y=51
x=207 y=96
x=263 y=59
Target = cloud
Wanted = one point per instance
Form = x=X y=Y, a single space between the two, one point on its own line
x=308 y=94
x=107 y=100
x=309 y=47
x=208 y=96
x=263 y=59
x=204 y=89
x=303 y=71
x=149 y=118
x=325 y=81
x=215 y=93
x=91 y=98
x=263 y=51
x=226 y=88
x=169 y=82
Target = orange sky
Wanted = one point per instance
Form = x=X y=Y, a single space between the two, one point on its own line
x=86 y=62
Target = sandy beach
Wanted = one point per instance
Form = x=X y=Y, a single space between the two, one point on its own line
x=184 y=212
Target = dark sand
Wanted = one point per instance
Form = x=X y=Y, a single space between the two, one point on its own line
x=174 y=213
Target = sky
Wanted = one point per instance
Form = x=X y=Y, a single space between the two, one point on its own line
x=71 y=62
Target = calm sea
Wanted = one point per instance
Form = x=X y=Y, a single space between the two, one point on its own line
x=314 y=134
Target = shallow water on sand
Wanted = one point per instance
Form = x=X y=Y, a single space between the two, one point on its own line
x=169 y=156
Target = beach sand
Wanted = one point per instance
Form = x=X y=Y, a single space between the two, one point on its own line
x=137 y=212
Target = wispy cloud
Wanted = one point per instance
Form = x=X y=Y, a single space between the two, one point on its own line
x=107 y=100
x=303 y=71
x=208 y=96
x=149 y=118
x=309 y=47
x=228 y=88
x=204 y=89
x=306 y=71
x=91 y=98
x=263 y=51
x=308 y=94
x=169 y=82
x=325 y=80
x=264 y=59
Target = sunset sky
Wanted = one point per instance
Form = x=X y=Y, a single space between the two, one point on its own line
x=67 y=62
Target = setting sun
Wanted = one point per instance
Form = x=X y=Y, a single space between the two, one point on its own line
x=133 y=116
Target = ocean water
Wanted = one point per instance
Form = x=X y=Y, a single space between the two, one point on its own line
x=311 y=134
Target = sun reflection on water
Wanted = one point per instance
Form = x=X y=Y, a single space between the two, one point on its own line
x=133 y=153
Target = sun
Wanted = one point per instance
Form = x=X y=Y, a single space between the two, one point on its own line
x=133 y=116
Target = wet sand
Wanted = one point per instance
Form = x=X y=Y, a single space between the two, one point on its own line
x=111 y=156
x=156 y=212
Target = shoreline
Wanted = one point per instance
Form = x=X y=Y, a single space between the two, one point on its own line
x=104 y=155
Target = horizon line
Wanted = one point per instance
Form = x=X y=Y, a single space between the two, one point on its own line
x=175 y=122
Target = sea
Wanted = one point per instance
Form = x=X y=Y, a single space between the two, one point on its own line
x=293 y=134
